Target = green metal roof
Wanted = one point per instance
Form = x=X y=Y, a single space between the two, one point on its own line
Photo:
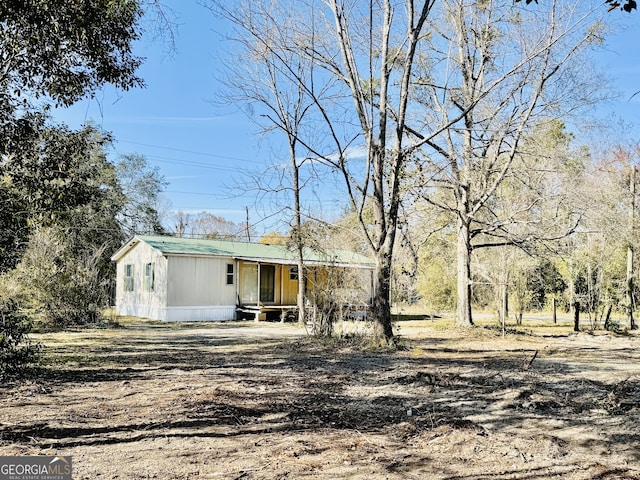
x=244 y=250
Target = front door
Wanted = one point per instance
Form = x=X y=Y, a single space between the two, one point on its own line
x=267 y=283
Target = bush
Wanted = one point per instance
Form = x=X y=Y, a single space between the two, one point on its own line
x=17 y=353
x=59 y=286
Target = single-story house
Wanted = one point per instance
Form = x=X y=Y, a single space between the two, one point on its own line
x=182 y=279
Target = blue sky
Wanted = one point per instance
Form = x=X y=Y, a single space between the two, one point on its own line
x=172 y=122
x=201 y=148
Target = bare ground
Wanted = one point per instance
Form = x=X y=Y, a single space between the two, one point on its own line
x=247 y=401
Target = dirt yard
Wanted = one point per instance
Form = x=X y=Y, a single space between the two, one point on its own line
x=262 y=401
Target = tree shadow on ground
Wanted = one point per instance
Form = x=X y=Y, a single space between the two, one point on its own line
x=301 y=386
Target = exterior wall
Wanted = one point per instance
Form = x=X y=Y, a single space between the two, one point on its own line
x=200 y=314
x=289 y=287
x=185 y=289
x=200 y=282
x=142 y=301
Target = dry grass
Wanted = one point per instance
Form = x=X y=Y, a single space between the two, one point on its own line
x=247 y=400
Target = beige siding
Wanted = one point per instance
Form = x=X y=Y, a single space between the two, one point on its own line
x=142 y=301
x=195 y=281
x=289 y=287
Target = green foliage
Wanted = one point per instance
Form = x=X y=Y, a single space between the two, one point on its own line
x=58 y=169
x=543 y=280
x=12 y=226
x=66 y=49
x=141 y=187
x=57 y=51
x=62 y=204
x=57 y=285
x=60 y=51
x=59 y=177
x=436 y=280
x=17 y=352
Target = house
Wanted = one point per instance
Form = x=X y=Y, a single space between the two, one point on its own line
x=179 y=279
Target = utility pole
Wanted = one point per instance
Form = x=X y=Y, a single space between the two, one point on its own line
x=247 y=224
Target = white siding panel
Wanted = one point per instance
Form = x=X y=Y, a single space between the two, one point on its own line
x=180 y=280
x=186 y=288
x=140 y=302
x=199 y=281
x=153 y=312
x=200 y=314
x=211 y=313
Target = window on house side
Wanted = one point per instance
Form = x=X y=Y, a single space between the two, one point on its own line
x=128 y=278
x=148 y=277
x=229 y=273
x=293 y=273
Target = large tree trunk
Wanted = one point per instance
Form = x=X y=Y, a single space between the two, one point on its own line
x=302 y=287
x=383 y=330
x=504 y=300
x=630 y=299
x=302 y=274
x=463 y=309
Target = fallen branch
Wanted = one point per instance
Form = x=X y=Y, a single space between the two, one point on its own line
x=527 y=365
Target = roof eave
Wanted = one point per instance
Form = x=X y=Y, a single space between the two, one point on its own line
x=315 y=263
x=132 y=242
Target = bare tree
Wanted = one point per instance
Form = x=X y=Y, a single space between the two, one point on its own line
x=210 y=226
x=600 y=255
x=273 y=81
x=321 y=38
x=390 y=89
x=494 y=71
x=630 y=251
x=370 y=48
x=616 y=180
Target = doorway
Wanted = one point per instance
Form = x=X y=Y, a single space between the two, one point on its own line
x=267 y=283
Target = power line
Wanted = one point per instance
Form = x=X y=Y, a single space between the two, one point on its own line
x=213 y=155
x=190 y=163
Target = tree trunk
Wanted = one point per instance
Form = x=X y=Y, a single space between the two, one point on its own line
x=632 y=207
x=630 y=299
x=383 y=329
x=302 y=274
x=463 y=309
x=576 y=316
x=607 y=318
x=504 y=299
x=571 y=286
x=302 y=287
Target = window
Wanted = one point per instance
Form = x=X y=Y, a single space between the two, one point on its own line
x=229 y=273
x=293 y=273
x=128 y=278
x=148 y=277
